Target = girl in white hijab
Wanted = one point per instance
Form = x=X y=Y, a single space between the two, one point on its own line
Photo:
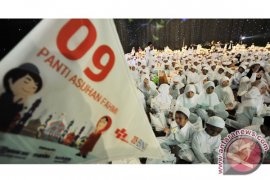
x=208 y=99
x=163 y=100
x=208 y=103
x=148 y=88
x=189 y=100
x=225 y=93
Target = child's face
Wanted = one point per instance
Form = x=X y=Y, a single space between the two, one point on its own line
x=25 y=86
x=190 y=94
x=180 y=119
x=210 y=90
x=225 y=83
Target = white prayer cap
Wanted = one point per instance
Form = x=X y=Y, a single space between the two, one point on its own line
x=224 y=78
x=206 y=68
x=190 y=87
x=245 y=63
x=226 y=63
x=218 y=67
x=176 y=79
x=235 y=60
x=144 y=71
x=192 y=67
x=176 y=65
x=209 y=84
x=164 y=88
x=145 y=76
x=243 y=66
x=216 y=121
x=183 y=110
x=229 y=70
x=167 y=63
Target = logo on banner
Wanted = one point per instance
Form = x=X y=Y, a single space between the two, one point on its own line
x=241 y=152
x=135 y=141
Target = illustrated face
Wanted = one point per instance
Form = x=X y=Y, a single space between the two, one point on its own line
x=180 y=119
x=212 y=130
x=225 y=83
x=101 y=124
x=210 y=90
x=190 y=94
x=25 y=86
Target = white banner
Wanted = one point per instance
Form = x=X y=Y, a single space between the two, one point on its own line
x=66 y=97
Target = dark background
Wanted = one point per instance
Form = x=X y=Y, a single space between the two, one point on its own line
x=162 y=32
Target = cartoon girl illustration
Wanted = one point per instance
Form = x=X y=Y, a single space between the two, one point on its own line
x=20 y=83
x=103 y=125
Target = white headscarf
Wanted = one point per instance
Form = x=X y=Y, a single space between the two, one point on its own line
x=243 y=86
x=183 y=110
x=134 y=74
x=216 y=121
x=183 y=100
x=151 y=83
x=208 y=100
x=225 y=94
x=253 y=98
x=163 y=99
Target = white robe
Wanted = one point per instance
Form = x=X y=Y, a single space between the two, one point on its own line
x=225 y=94
x=191 y=104
x=205 y=147
x=251 y=105
x=192 y=77
x=208 y=101
x=163 y=100
x=182 y=138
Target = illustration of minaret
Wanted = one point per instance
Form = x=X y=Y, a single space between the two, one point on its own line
x=19 y=126
x=77 y=136
x=60 y=140
x=41 y=128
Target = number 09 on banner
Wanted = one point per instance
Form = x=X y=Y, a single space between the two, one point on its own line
x=65 y=34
